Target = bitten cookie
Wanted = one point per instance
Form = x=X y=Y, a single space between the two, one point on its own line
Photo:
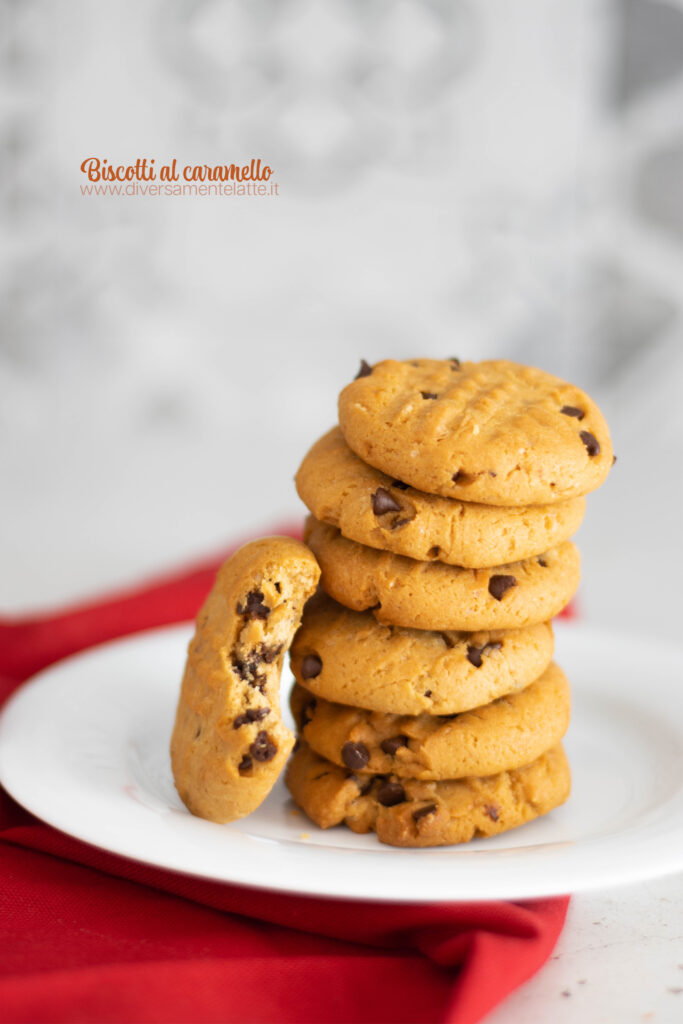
x=229 y=743
x=374 y=509
x=508 y=733
x=350 y=658
x=405 y=812
x=492 y=432
x=431 y=595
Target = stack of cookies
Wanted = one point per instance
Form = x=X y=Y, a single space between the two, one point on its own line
x=428 y=705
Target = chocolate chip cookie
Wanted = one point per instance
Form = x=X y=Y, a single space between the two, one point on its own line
x=507 y=733
x=229 y=743
x=492 y=432
x=430 y=595
x=350 y=658
x=408 y=812
x=382 y=512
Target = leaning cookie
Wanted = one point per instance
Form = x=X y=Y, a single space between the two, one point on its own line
x=494 y=432
x=350 y=658
x=431 y=595
x=508 y=733
x=229 y=743
x=406 y=812
x=375 y=509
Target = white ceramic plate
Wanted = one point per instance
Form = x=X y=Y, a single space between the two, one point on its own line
x=84 y=746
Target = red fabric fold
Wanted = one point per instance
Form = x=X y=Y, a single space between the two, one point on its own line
x=91 y=936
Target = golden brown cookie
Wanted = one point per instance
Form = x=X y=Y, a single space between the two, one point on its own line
x=405 y=812
x=375 y=509
x=508 y=733
x=431 y=595
x=492 y=432
x=350 y=658
x=229 y=743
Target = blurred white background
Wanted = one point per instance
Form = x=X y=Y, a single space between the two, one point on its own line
x=480 y=179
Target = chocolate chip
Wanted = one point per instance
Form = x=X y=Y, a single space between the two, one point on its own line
x=365 y=370
x=401 y=486
x=391 y=793
x=455 y=363
x=428 y=693
x=311 y=666
x=428 y=394
x=571 y=410
x=474 y=655
x=278 y=587
x=269 y=654
x=244 y=765
x=253 y=607
x=499 y=585
x=262 y=749
x=355 y=755
x=614 y=459
x=461 y=477
x=247 y=670
x=542 y=561
x=243 y=668
x=257 y=714
x=492 y=472
x=591 y=442
x=448 y=640
x=382 y=501
x=307 y=712
x=492 y=811
x=250 y=715
x=391 y=745
x=423 y=812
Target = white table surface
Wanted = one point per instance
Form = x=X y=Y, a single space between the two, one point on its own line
x=619 y=960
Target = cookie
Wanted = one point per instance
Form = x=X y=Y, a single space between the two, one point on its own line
x=350 y=658
x=229 y=743
x=508 y=733
x=493 y=432
x=431 y=595
x=407 y=812
x=374 y=509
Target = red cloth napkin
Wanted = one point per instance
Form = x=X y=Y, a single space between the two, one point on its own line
x=89 y=936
